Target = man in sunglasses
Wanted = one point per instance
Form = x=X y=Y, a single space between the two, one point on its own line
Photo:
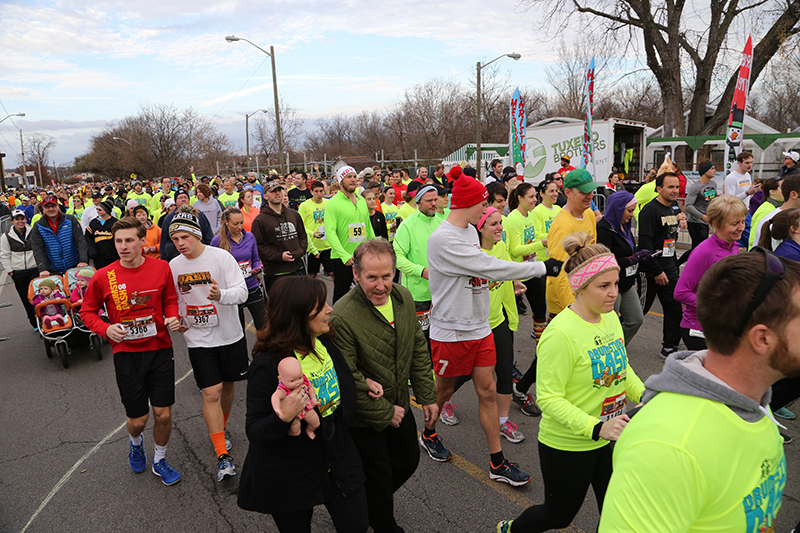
x=705 y=453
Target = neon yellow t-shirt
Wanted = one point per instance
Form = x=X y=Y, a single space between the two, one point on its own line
x=406 y=210
x=559 y=293
x=762 y=211
x=542 y=219
x=229 y=200
x=320 y=372
x=313 y=215
x=523 y=243
x=582 y=378
x=501 y=294
x=644 y=195
x=142 y=199
x=690 y=464
x=387 y=310
x=390 y=212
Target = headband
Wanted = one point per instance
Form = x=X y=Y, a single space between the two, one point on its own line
x=632 y=202
x=482 y=221
x=581 y=276
x=422 y=191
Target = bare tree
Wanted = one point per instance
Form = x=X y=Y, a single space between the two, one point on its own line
x=265 y=132
x=774 y=99
x=38 y=147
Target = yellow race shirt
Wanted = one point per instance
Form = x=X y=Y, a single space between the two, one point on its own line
x=559 y=293
x=542 y=220
x=320 y=372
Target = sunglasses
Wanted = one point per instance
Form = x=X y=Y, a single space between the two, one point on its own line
x=774 y=271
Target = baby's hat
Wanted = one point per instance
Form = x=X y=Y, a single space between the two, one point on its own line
x=85 y=274
x=48 y=283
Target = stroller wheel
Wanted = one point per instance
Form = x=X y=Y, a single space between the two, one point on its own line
x=48 y=349
x=61 y=347
x=97 y=345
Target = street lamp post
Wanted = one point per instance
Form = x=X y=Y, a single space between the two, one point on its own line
x=478 y=162
x=247 y=131
x=271 y=54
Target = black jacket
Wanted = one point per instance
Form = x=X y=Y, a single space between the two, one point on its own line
x=100 y=241
x=378 y=221
x=615 y=242
x=785 y=171
x=284 y=474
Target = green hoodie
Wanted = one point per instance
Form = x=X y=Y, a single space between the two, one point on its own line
x=411 y=247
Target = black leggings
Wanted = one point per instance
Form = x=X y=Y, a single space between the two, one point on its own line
x=349 y=514
x=21 y=282
x=257 y=306
x=693 y=343
x=504 y=346
x=528 y=379
x=566 y=476
x=342 y=279
x=784 y=391
x=536 y=297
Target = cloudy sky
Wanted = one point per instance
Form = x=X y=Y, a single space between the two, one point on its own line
x=75 y=66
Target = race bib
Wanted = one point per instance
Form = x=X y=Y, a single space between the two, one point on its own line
x=139 y=328
x=246 y=268
x=424 y=318
x=202 y=316
x=322 y=236
x=696 y=333
x=631 y=270
x=529 y=257
x=357 y=232
x=669 y=248
x=613 y=406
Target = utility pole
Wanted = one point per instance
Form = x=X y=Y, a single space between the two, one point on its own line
x=277 y=113
x=2 y=173
x=24 y=169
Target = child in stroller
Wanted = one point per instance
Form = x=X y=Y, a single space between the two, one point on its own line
x=52 y=313
x=82 y=278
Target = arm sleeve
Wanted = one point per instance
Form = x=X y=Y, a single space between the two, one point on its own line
x=80 y=241
x=302 y=236
x=255 y=260
x=39 y=251
x=236 y=291
x=162 y=248
x=655 y=487
x=686 y=288
x=634 y=388
x=463 y=259
x=378 y=412
x=691 y=198
x=88 y=238
x=402 y=247
x=554 y=370
x=647 y=221
x=262 y=425
x=169 y=296
x=331 y=221
x=558 y=288
x=205 y=227
x=606 y=237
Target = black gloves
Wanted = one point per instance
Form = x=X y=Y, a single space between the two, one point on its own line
x=552 y=267
x=642 y=255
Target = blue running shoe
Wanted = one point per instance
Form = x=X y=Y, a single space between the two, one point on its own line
x=137 y=458
x=225 y=467
x=167 y=474
x=784 y=413
x=504 y=526
x=510 y=473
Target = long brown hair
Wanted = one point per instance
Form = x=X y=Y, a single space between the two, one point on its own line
x=224 y=241
x=293 y=300
x=779 y=227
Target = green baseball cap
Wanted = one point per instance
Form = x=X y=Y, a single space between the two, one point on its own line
x=580 y=179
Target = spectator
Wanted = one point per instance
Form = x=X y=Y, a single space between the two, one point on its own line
x=16 y=255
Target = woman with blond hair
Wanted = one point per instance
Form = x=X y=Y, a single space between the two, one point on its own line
x=726 y=216
x=583 y=385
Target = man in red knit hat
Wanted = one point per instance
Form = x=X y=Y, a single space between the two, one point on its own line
x=461 y=337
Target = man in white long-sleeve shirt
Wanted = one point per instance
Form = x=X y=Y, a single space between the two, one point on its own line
x=461 y=338
x=739 y=183
x=210 y=288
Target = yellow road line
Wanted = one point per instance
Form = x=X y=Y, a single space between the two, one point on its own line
x=504 y=490
x=655 y=314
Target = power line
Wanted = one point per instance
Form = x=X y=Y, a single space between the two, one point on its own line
x=240 y=89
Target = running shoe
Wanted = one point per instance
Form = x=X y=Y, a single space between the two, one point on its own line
x=785 y=414
x=516 y=374
x=137 y=458
x=528 y=405
x=225 y=467
x=436 y=450
x=667 y=350
x=787 y=439
x=228 y=443
x=167 y=474
x=448 y=414
x=518 y=397
x=504 y=526
x=509 y=473
x=510 y=432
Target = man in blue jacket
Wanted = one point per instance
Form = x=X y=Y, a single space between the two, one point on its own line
x=58 y=241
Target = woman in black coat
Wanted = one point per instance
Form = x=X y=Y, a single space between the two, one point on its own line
x=614 y=230
x=285 y=476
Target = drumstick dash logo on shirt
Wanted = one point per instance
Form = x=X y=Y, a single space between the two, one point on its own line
x=186 y=281
x=609 y=364
x=762 y=503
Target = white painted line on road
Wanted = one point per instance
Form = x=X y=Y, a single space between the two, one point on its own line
x=69 y=473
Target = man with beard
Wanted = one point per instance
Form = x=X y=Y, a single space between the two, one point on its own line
x=705 y=452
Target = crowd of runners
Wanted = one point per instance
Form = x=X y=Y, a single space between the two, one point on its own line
x=430 y=275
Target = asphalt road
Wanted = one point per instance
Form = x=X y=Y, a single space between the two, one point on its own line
x=65 y=465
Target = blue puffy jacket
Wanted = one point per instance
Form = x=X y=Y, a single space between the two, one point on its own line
x=58 y=252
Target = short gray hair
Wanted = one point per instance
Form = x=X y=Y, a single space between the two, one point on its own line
x=378 y=246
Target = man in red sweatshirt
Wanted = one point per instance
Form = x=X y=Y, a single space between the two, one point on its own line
x=140 y=299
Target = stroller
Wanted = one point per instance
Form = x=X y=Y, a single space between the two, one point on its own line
x=95 y=340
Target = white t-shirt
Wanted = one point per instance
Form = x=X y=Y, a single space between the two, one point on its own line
x=211 y=323
x=737 y=184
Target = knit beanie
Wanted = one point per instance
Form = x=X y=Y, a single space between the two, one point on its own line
x=140 y=207
x=130 y=204
x=85 y=274
x=48 y=283
x=108 y=207
x=344 y=172
x=467 y=192
x=180 y=192
x=185 y=220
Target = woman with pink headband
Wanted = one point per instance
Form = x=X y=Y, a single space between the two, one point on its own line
x=583 y=386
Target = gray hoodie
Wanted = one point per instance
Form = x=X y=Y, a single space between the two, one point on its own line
x=684 y=373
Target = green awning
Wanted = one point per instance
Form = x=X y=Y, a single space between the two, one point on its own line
x=762 y=140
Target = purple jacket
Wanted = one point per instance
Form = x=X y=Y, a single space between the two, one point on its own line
x=706 y=254
x=244 y=250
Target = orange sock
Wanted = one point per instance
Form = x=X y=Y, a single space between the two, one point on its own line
x=226 y=415
x=218 y=440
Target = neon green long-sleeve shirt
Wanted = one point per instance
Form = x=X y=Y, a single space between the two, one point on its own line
x=542 y=218
x=523 y=243
x=313 y=215
x=411 y=249
x=346 y=225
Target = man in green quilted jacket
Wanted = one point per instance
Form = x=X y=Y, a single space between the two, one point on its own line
x=379 y=335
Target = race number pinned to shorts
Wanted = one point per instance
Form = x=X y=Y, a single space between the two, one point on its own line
x=669 y=248
x=613 y=406
x=357 y=232
x=202 y=316
x=139 y=328
x=246 y=268
x=631 y=270
x=424 y=318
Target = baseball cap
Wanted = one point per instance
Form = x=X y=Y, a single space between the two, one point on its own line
x=565 y=158
x=793 y=155
x=17 y=213
x=49 y=200
x=580 y=179
x=274 y=186
x=97 y=194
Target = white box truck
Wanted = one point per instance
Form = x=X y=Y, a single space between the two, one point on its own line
x=618 y=144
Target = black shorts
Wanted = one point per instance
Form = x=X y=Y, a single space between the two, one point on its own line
x=224 y=363
x=324 y=260
x=143 y=376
